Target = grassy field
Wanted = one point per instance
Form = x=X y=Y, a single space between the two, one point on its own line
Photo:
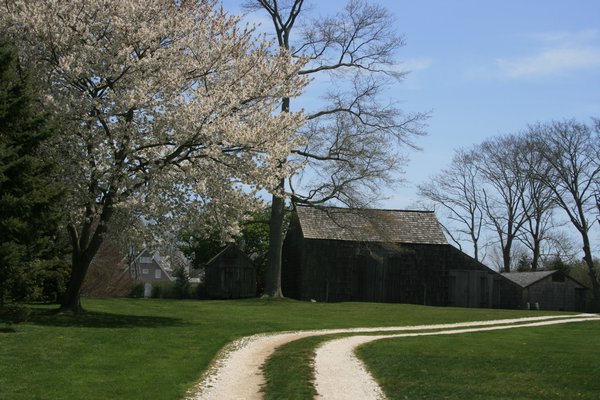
x=554 y=362
x=157 y=349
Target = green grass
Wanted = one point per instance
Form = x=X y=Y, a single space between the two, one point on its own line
x=553 y=362
x=288 y=372
x=157 y=349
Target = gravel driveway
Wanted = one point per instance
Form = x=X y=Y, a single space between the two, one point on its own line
x=237 y=374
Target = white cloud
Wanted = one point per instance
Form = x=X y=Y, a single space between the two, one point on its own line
x=416 y=64
x=564 y=37
x=551 y=62
x=559 y=52
x=411 y=68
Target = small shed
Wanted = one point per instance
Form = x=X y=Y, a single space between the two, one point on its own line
x=397 y=256
x=549 y=290
x=231 y=274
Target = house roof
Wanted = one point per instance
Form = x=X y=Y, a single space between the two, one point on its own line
x=525 y=279
x=370 y=225
x=156 y=259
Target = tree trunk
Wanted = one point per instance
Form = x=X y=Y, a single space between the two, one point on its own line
x=589 y=260
x=506 y=255
x=71 y=300
x=273 y=272
x=536 y=255
x=85 y=246
x=475 y=249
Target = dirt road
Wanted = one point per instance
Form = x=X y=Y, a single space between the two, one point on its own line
x=237 y=374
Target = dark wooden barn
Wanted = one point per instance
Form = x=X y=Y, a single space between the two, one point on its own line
x=231 y=274
x=549 y=290
x=337 y=254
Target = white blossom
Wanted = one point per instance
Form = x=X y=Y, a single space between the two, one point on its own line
x=164 y=106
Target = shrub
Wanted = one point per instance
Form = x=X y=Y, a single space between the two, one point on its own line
x=38 y=280
x=15 y=314
x=137 y=291
x=163 y=290
x=157 y=292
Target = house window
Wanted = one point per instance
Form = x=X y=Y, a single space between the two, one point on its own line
x=157 y=274
x=145 y=271
x=146 y=260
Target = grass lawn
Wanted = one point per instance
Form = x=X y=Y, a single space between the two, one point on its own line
x=157 y=349
x=288 y=372
x=553 y=362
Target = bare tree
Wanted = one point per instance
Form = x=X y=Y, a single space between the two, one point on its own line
x=493 y=185
x=456 y=190
x=503 y=191
x=571 y=150
x=598 y=204
x=537 y=200
x=560 y=245
x=350 y=145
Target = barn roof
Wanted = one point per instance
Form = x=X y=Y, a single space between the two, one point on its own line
x=370 y=225
x=525 y=279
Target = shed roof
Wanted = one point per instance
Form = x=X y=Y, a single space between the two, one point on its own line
x=525 y=279
x=230 y=249
x=370 y=225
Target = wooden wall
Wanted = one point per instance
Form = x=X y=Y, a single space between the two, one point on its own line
x=556 y=292
x=230 y=275
x=333 y=270
x=472 y=284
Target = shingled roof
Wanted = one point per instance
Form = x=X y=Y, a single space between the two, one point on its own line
x=370 y=225
x=525 y=279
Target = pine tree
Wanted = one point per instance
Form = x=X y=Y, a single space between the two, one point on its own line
x=29 y=197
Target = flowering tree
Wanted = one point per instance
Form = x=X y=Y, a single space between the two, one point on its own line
x=164 y=107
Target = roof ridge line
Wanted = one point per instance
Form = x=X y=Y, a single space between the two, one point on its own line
x=364 y=209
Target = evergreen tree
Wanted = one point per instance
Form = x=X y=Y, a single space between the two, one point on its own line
x=29 y=197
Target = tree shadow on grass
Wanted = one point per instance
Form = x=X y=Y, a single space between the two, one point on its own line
x=94 y=319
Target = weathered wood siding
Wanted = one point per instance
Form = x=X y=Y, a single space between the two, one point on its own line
x=338 y=270
x=555 y=292
x=472 y=284
x=331 y=270
x=230 y=275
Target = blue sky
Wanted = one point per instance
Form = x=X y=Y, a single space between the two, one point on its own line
x=485 y=68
